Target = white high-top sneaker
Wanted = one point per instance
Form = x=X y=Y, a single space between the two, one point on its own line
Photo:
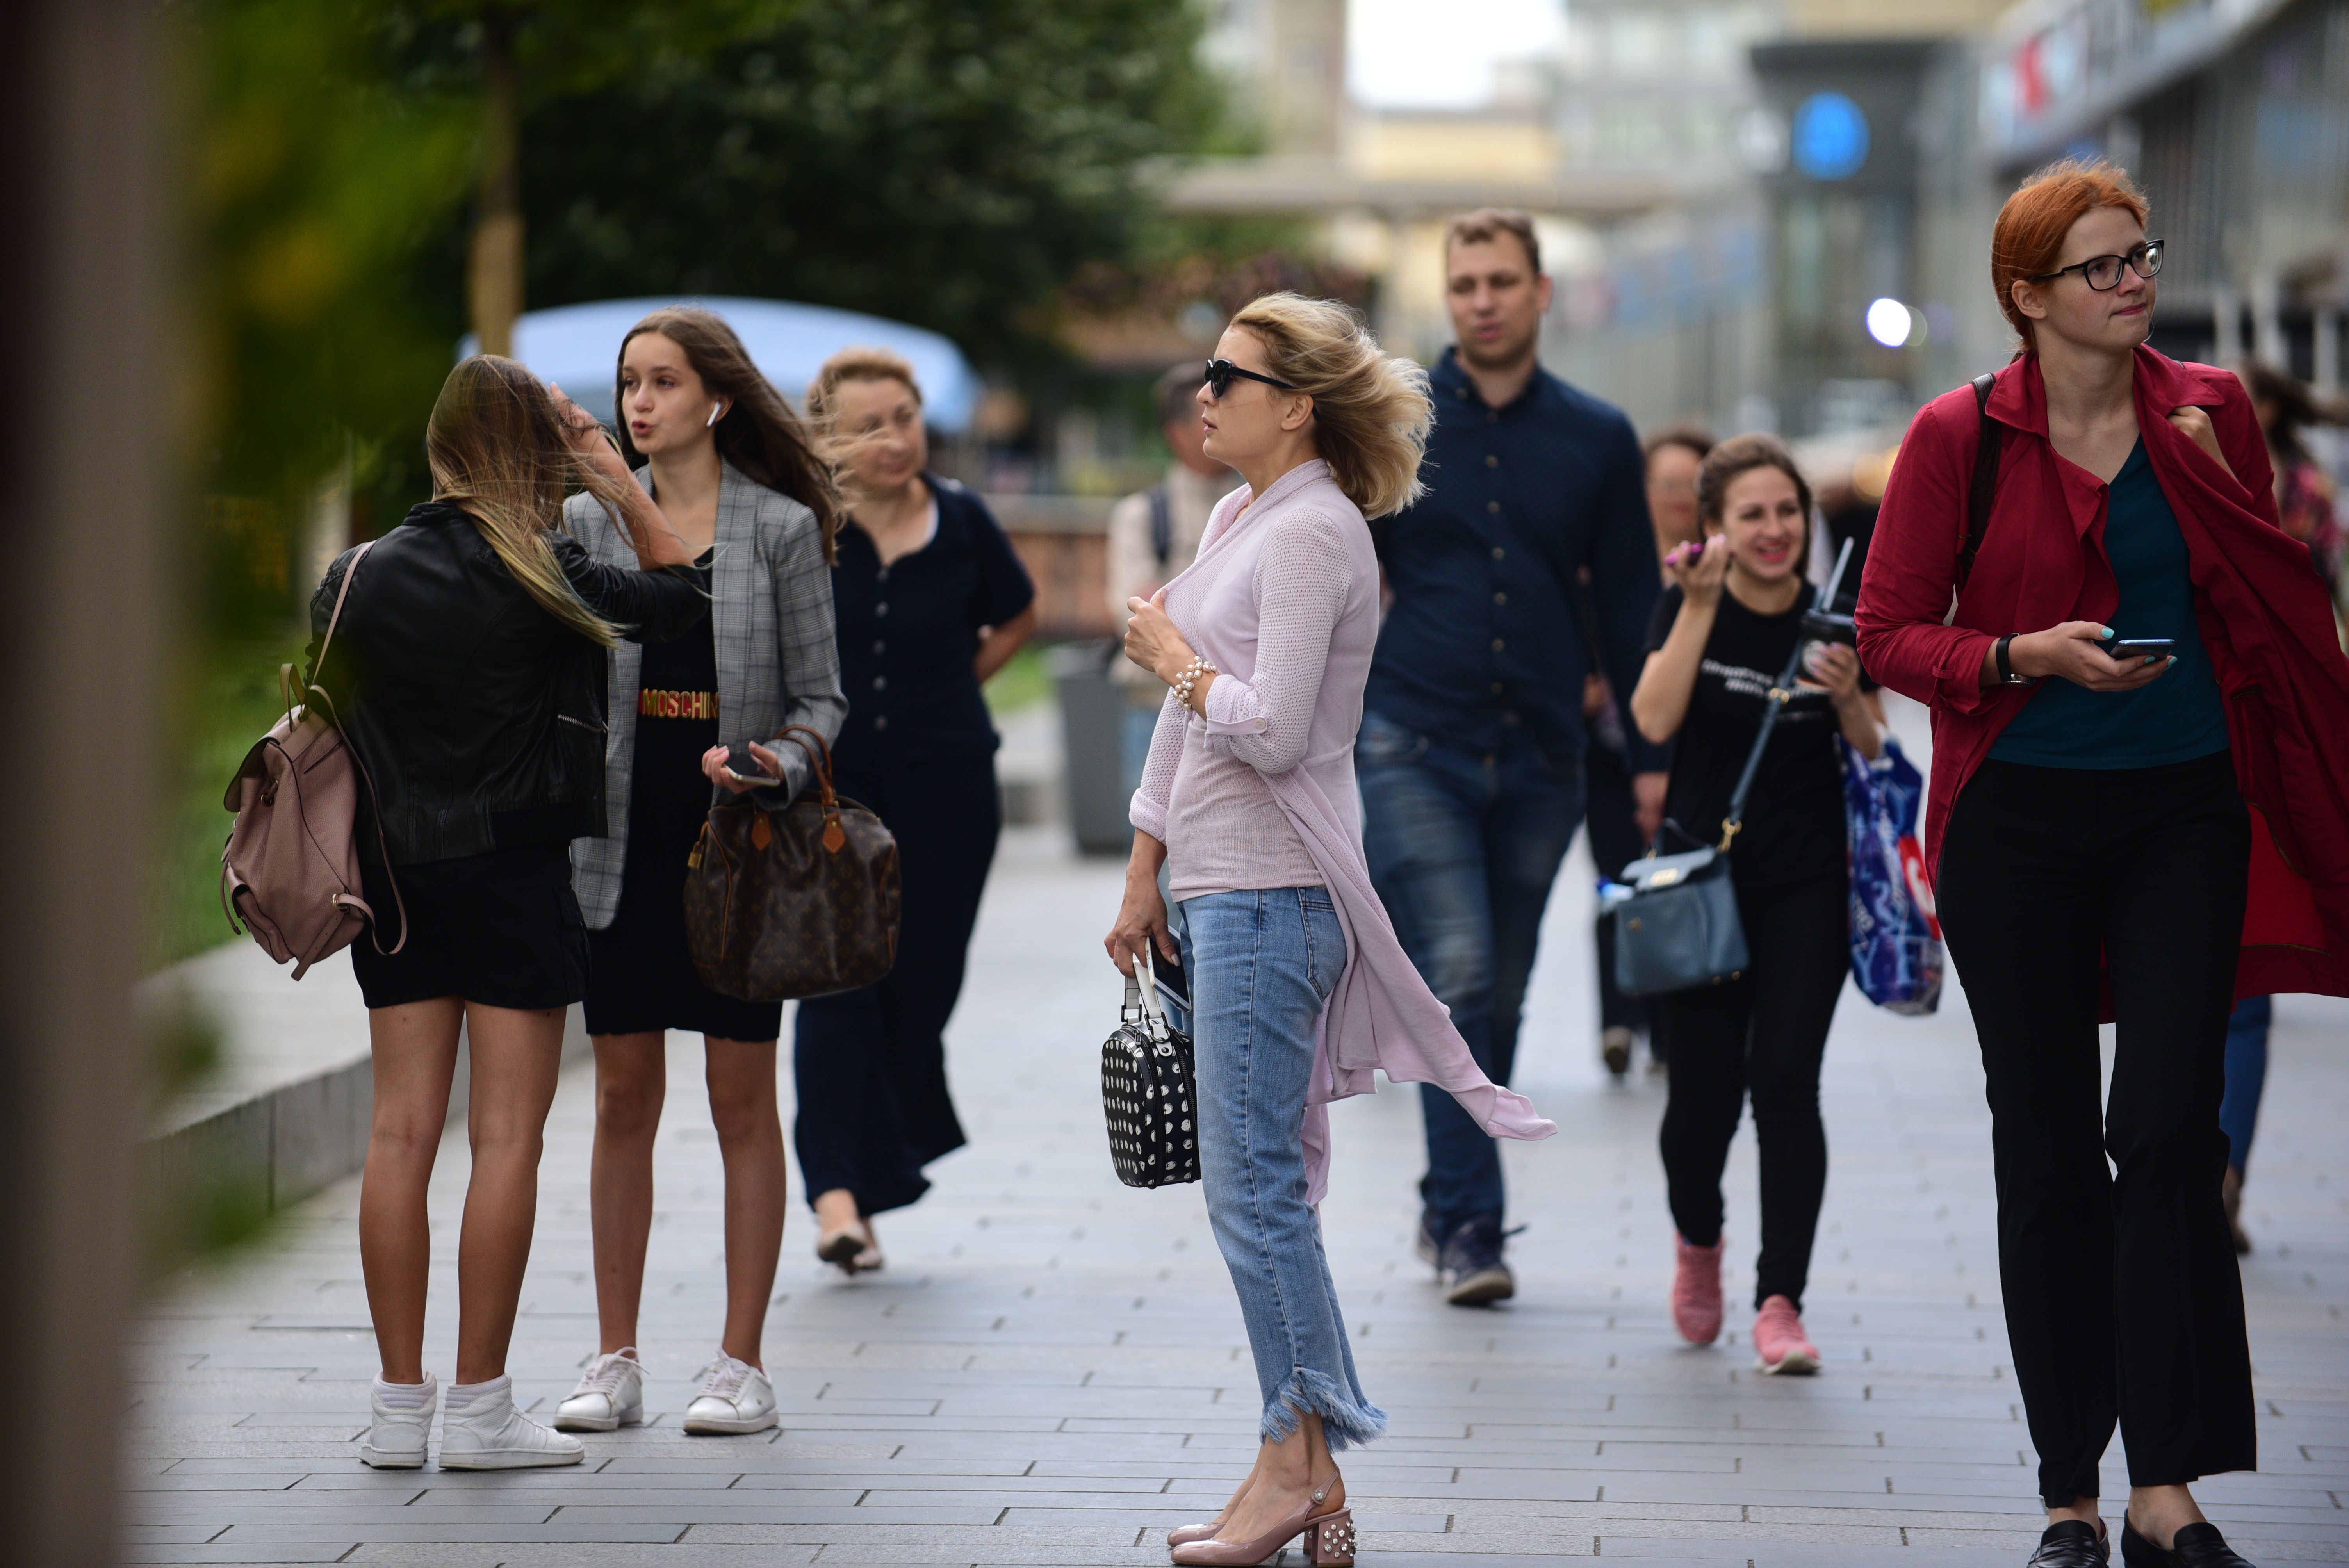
x=734 y=1396
x=490 y=1433
x=611 y=1393
x=396 y=1441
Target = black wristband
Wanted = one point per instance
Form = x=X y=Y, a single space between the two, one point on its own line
x=2006 y=676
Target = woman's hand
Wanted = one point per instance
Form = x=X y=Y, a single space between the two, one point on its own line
x=713 y=765
x=1152 y=641
x=1698 y=571
x=585 y=435
x=2195 y=426
x=2070 y=651
x=1142 y=912
x=1835 y=667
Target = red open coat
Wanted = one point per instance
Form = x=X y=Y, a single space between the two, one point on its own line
x=2262 y=612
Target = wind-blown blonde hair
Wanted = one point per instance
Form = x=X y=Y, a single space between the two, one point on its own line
x=1372 y=411
x=496 y=449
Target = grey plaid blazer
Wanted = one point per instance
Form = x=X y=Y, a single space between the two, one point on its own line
x=778 y=664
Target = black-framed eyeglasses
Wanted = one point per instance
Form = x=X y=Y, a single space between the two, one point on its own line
x=1221 y=371
x=2104 y=273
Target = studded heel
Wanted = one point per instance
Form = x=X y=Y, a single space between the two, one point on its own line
x=1328 y=1540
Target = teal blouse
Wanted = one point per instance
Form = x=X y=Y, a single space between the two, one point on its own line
x=2179 y=716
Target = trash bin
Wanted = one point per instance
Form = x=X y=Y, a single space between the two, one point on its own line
x=1092 y=710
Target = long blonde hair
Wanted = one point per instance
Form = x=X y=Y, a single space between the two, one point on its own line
x=497 y=451
x=1372 y=411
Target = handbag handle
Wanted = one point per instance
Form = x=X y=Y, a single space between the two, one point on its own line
x=819 y=757
x=1142 y=992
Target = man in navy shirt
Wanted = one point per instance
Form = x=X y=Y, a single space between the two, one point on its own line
x=1471 y=750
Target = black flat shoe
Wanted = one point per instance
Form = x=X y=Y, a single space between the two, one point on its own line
x=2072 y=1543
x=2194 y=1546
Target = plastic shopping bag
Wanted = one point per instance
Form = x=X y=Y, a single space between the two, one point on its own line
x=1896 y=939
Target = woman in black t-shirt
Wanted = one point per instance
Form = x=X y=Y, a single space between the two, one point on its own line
x=932 y=600
x=1721 y=638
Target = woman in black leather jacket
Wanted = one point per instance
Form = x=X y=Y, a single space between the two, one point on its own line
x=470 y=683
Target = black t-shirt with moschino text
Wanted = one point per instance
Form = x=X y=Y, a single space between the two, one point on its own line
x=1793 y=816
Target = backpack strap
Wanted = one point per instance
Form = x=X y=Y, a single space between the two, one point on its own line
x=1984 y=485
x=1161 y=524
x=383 y=847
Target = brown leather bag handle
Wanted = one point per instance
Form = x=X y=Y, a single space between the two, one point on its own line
x=819 y=757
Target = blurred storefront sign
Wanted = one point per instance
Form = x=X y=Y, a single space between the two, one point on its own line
x=2056 y=69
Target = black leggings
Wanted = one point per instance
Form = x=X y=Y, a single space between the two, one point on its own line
x=1763 y=1036
x=2122 y=1295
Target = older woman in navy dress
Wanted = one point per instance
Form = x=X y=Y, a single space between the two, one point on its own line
x=931 y=602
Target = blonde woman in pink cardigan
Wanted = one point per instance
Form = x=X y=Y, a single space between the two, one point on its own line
x=1301 y=993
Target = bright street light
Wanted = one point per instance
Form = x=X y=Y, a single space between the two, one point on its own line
x=1889 y=323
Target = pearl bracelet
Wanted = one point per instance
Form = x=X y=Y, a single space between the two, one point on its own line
x=1190 y=677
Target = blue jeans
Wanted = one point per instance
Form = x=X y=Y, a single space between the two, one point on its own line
x=1462 y=848
x=1262 y=964
x=2247 y=1075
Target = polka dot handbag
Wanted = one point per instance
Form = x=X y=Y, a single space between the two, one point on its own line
x=1149 y=1095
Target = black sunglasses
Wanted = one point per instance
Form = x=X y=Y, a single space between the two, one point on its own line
x=1221 y=371
x=2104 y=273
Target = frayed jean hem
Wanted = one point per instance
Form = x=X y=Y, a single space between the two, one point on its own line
x=1344 y=1423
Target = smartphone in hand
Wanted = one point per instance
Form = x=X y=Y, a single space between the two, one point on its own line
x=2123 y=650
x=746 y=768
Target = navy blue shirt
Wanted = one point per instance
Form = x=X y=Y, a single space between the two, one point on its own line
x=1484 y=642
x=909 y=629
x=2177 y=717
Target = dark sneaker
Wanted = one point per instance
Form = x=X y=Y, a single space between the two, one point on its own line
x=2072 y=1543
x=1471 y=1272
x=1615 y=1048
x=1430 y=1250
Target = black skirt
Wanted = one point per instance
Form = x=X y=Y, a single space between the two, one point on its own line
x=643 y=978
x=503 y=929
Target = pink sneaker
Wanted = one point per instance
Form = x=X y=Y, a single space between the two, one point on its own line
x=1696 y=1291
x=1779 y=1342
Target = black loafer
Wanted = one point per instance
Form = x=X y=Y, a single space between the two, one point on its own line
x=2194 y=1546
x=2072 y=1543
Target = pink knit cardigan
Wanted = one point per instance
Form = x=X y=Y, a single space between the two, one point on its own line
x=1382 y=1018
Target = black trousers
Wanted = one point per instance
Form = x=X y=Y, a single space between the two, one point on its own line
x=871 y=1064
x=1608 y=812
x=2122 y=1295
x=1761 y=1036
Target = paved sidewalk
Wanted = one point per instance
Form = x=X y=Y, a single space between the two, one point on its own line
x=1053 y=1369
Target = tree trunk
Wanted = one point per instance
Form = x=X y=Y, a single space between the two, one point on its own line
x=493 y=266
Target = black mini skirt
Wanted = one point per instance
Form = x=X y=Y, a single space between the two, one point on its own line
x=503 y=929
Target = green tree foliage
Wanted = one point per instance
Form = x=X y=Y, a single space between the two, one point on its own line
x=949 y=163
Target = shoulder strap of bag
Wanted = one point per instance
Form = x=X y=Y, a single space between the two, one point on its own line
x=1161 y=524
x=1984 y=484
x=1778 y=698
x=314 y=689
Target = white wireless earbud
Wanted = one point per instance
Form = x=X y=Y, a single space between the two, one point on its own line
x=715 y=409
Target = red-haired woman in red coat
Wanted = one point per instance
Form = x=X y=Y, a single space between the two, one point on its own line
x=2142 y=838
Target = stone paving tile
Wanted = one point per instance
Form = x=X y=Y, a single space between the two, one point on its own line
x=1051 y=1369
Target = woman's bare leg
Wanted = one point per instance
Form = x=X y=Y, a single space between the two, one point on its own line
x=415 y=1050
x=631 y=1081
x=517 y=1055
x=741 y=1075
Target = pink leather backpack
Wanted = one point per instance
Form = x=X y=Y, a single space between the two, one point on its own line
x=290 y=871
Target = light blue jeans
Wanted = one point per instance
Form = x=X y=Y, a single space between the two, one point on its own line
x=1262 y=963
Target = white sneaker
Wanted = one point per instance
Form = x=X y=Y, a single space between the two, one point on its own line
x=735 y=1396
x=396 y=1441
x=490 y=1434
x=611 y=1393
